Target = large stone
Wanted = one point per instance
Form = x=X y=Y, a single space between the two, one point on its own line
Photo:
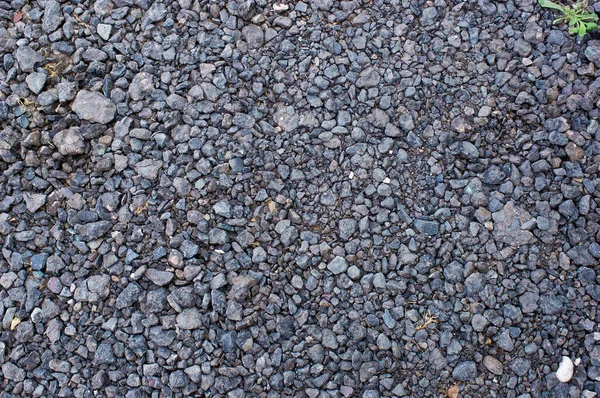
x=94 y=107
x=254 y=35
x=28 y=58
x=7 y=42
x=465 y=371
x=12 y=372
x=507 y=226
x=34 y=201
x=159 y=277
x=94 y=230
x=53 y=16
x=581 y=256
x=428 y=16
x=148 y=168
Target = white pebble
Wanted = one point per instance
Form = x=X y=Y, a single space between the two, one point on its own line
x=564 y=373
x=280 y=7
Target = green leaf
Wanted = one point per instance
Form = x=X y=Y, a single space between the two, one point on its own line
x=573 y=29
x=550 y=4
x=559 y=20
x=582 y=30
x=589 y=26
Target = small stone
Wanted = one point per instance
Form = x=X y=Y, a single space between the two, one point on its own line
x=243 y=120
x=104 y=355
x=158 y=277
x=217 y=236
x=222 y=209
x=240 y=287
x=383 y=342
x=297 y=282
x=94 y=230
x=337 y=265
x=426 y=227
x=392 y=131
x=379 y=281
x=66 y=91
x=528 y=302
x=508 y=225
x=347 y=228
x=104 y=30
x=368 y=78
x=141 y=86
x=142 y=134
x=592 y=51
x=189 y=319
x=289 y=235
x=156 y=13
x=581 y=256
x=258 y=255
x=329 y=339
x=353 y=272
x=484 y=111
x=494 y=175
x=493 y=365
x=406 y=122
x=178 y=379
x=464 y=149
x=128 y=296
x=69 y=142
x=36 y=82
x=254 y=36
x=520 y=366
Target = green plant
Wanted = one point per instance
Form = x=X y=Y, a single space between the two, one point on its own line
x=580 y=20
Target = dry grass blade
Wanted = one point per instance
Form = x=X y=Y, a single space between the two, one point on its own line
x=52 y=68
x=452 y=391
x=27 y=104
x=428 y=320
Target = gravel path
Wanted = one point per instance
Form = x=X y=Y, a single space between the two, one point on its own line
x=299 y=199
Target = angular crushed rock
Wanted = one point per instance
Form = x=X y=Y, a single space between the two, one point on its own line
x=324 y=198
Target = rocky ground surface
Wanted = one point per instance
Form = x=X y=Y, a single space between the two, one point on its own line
x=308 y=199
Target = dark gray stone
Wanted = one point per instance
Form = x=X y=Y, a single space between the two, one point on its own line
x=465 y=371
